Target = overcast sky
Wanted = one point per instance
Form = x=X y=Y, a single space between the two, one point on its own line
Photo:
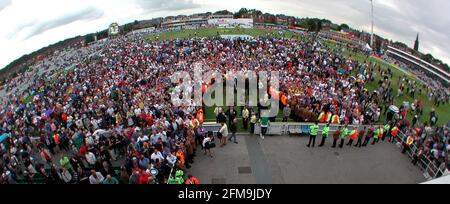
x=29 y=25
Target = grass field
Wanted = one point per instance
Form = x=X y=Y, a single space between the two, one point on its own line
x=442 y=110
x=213 y=32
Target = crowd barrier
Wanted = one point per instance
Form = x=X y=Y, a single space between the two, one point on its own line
x=287 y=128
x=212 y=126
x=428 y=167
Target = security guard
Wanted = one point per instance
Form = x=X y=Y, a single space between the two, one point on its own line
x=335 y=119
x=387 y=130
x=353 y=136
x=344 y=135
x=322 y=117
x=313 y=130
x=178 y=178
x=394 y=133
x=325 y=132
x=377 y=135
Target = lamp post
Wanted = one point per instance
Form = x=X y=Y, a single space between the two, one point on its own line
x=371 y=36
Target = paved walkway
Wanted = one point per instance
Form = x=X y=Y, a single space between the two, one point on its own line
x=286 y=159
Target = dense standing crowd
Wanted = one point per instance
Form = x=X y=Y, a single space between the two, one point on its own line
x=104 y=113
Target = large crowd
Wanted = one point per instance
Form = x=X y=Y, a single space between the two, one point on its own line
x=103 y=113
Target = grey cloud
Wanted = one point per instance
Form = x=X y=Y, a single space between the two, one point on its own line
x=4 y=4
x=420 y=16
x=400 y=21
x=86 y=14
x=166 y=5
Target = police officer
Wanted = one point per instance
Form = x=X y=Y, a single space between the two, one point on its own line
x=377 y=134
x=353 y=136
x=325 y=132
x=387 y=129
x=344 y=134
x=313 y=130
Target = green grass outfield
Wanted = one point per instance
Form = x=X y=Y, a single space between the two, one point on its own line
x=442 y=110
x=213 y=32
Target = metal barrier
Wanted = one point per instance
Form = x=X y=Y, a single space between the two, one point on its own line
x=284 y=128
x=429 y=168
x=211 y=126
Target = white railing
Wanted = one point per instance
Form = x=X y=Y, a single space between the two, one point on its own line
x=429 y=168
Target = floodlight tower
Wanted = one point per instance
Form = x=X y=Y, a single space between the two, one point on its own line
x=371 y=35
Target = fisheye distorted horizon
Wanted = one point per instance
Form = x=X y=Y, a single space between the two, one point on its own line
x=49 y=21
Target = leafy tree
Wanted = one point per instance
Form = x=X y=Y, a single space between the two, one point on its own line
x=223 y=12
x=89 y=38
x=241 y=13
x=400 y=44
x=343 y=26
x=319 y=26
x=446 y=67
x=428 y=57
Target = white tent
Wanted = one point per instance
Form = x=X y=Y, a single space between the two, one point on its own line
x=367 y=47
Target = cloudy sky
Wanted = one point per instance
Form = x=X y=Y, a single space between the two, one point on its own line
x=29 y=25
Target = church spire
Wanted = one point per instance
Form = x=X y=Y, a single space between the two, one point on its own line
x=416 y=44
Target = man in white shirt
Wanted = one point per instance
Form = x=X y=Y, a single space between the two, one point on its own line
x=171 y=159
x=90 y=158
x=224 y=132
x=142 y=138
x=157 y=155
